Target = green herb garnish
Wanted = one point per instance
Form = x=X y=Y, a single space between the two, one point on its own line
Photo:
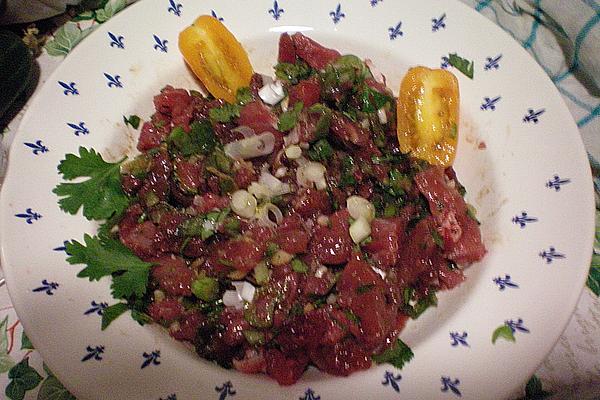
x=133 y=121
x=101 y=196
x=398 y=355
x=293 y=73
x=462 y=64
x=226 y=113
x=288 y=119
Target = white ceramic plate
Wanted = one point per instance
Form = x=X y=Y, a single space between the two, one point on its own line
x=520 y=158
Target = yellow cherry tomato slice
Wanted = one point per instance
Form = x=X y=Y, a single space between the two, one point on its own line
x=428 y=112
x=216 y=57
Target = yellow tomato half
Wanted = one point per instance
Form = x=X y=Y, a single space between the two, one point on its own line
x=428 y=112
x=216 y=57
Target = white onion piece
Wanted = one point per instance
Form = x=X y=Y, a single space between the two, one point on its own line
x=281 y=171
x=320 y=271
x=260 y=191
x=291 y=138
x=379 y=272
x=360 y=230
x=311 y=174
x=263 y=215
x=247 y=292
x=255 y=146
x=246 y=131
x=243 y=204
x=276 y=186
x=272 y=93
x=285 y=104
x=231 y=298
x=382 y=116
x=293 y=152
x=331 y=299
x=377 y=75
x=360 y=207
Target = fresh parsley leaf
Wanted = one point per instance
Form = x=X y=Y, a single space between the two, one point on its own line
x=105 y=257
x=293 y=73
x=226 y=113
x=288 y=119
x=243 y=96
x=101 y=196
x=398 y=355
x=22 y=378
x=320 y=151
x=462 y=64
x=593 y=280
x=133 y=121
x=140 y=317
x=503 y=332
x=111 y=313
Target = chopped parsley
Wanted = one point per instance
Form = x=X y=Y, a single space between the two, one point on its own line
x=462 y=64
x=200 y=140
x=365 y=288
x=226 y=113
x=398 y=355
x=133 y=121
x=371 y=100
x=293 y=73
x=288 y=119
x=320 y=151
x=243 y=96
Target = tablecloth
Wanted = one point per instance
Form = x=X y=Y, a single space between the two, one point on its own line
x=563 y=36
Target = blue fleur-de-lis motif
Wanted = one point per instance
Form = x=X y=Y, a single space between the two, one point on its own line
x=395 y=31
x=116 y=41
x=79 y=129
x=551 y=254
x=69 y=88
x=63 y=247
x=459 y=339
x=452 y=385
x=174 y=8
x=516 y=325
x=492 y=62
x=490 y=103
x=225 y=390
x=214 y=14
x=375 y=2
x=523 y=219
x=505 y=282
x=97 y=308
x=113 y=81
x=533 y=116
x=390 y=379
x=160 y=44
x=445 y=63
x=556 y=182
x=151 y=358
x=170 y=397
x=38 y=147
x=93 y=353
x=310 y=395
x=438 y=23
x=337 y=14
x=29 y=216
x=47 y=287
x=276 y=11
